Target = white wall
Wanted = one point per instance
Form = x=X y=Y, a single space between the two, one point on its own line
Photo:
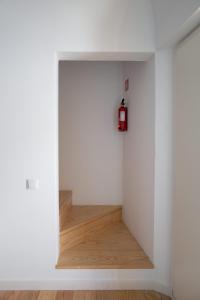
x=186 y=205
x=170 y=17
x=139 y=153
x=31 y=32
x=91 y=148
x=163 y=165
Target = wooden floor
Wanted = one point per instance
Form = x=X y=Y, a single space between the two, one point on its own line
x=82 y=295
x=95 y=237
x=113 y=248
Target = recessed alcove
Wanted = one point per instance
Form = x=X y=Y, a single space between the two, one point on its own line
x=100 y=165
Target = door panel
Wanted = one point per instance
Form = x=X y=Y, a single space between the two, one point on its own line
x=186 y=209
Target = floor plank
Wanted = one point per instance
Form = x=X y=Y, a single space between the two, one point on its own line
x=82 y=295
x=26 y=295
x=6 y=295
x=47 y=295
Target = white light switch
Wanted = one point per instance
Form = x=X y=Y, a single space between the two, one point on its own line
x=32 y=184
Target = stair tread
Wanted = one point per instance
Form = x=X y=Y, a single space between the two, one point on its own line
x=113 y=248
x=82 y=214
x=65 y=196
x=65 y=204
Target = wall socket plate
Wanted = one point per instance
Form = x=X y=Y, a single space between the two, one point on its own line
x=32 y=184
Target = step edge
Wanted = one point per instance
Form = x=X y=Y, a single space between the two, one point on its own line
x=104 y=266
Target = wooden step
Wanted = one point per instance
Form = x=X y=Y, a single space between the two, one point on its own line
x=83 y=220
x=65 y=204
x=111 y=248
x=65 y=197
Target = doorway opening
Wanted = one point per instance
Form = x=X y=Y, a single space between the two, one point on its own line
x=106 y=177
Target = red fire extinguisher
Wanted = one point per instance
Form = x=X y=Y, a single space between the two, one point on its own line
x=123 y=117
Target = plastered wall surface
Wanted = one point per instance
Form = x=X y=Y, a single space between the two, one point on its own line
x=90 y=146
x=31 y=34
x=139 y=143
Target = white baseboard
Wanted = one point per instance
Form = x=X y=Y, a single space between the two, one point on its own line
x=163 y=289
x=86 y=285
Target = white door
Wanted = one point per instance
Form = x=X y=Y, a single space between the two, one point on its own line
x=186 y=204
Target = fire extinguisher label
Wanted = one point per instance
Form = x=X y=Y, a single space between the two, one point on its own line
x=122 y=116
